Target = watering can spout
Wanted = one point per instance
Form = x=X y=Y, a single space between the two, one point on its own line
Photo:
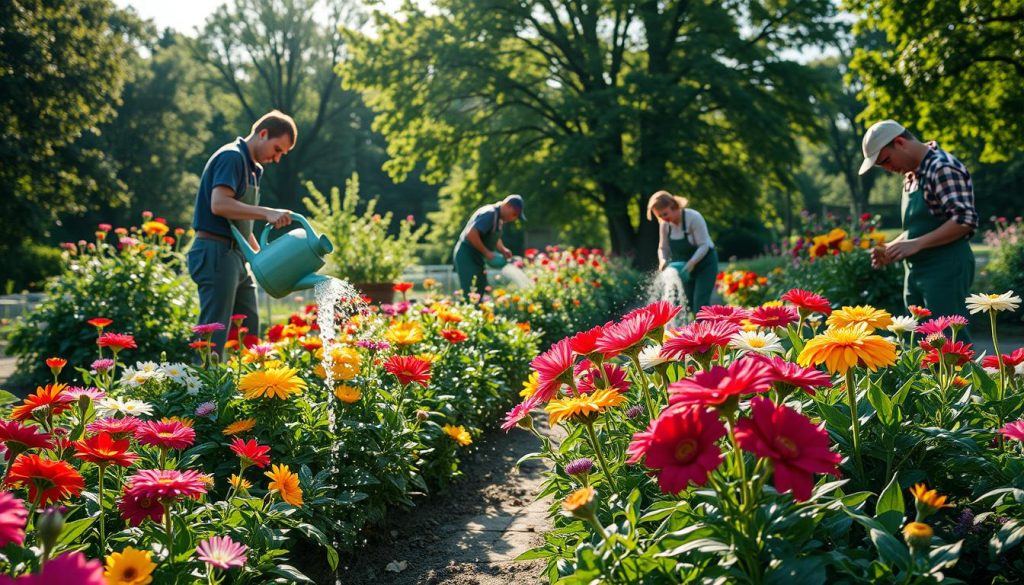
x=310 y=280
x=243 y=245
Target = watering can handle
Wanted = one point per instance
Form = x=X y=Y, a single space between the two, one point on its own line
x=265 y=236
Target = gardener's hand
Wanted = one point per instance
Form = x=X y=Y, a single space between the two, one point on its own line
x=901 y=250
x=507 y=254
x=879 y=257
x=489 y=256
x=278 y=217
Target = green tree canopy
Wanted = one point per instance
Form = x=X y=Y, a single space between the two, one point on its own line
x=593 y=103
x=953 y=71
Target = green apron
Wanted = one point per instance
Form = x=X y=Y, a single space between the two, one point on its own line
x=938 y=278
x=702 y=278
x=469 y=262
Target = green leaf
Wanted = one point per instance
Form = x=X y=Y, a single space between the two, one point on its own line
x=73 y=530
x=1008 y=536
x=805 y=571
x=7 y=398
x=882 y=404
x=890 y=509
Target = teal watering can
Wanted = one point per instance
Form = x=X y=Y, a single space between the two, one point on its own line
x=680 y=267
x=498 y=261
x=290 y=262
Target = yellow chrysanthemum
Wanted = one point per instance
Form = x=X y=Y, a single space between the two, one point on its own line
x=530 y=385
x=459 y=434
x=129 y=567
x=446 y=314
x=404 y=333
x=240 y=426
x=845 y=347
x=927 y=501
x=346 y=364
x=580 y=503
x=772 y=304
x=272 y=383
x=348 y=394
x=583 y=406
x=296 y=331
x=183 y=420
x=239 y=483
x=872 y=317
x=918 y=534
x=285 y=483
x=155 y=228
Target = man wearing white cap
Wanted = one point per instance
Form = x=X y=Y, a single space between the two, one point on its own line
x=480 y=242
x=938 y=217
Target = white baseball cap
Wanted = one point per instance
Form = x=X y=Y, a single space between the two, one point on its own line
x=877 y=136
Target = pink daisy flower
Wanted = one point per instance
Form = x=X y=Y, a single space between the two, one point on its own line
x=585 y=342
x=117 y=427
x=168 y=434
x=807 y=301
x=221 y=552
x=1014 y=430
x=165 y=484
x=728 y=313
x=662 y=312
x=13 y=517
x=590 y=379
x=519 y=412
x=681 y=445
x=774 y=316
x=788 y=375
x=251 y=452
x=936 y=325
x=625 y=336
x=715 y=386
x=554 y=363
x=135 y=509
x=207 y=328
x=700 y=338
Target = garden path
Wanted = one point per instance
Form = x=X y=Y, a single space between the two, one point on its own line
x=471 y=534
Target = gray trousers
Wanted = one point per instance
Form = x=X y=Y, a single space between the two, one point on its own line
x=225 y=286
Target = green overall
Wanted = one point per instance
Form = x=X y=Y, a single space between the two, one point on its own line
x=702 y=278
x=939 y=278
x=469 y=262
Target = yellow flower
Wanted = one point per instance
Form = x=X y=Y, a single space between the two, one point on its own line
x=530 y=385
x=993 y=303
x=429 y=357
x=239 y=426
x=845 y=347
x=772 y=304
x=272 y=383
x=348 y=394
x=404 y=333
x=429 y=283
x=285 y=483
x=872 y=317
x=835 y=236
x=346 y=364
x=129 y=567
x=184 y=421
x=918 y=534
x=445 y=313
x=583 y=406
x=459 y=434
x=580 y=503
x=155 y=228
x=239 y=483
x=845 y=246
x=927 y=501
x=296 y=331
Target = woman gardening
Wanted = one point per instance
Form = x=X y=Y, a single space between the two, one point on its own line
x=685 y=245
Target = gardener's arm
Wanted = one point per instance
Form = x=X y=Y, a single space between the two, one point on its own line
x=950 y=231
x=224 y=204
x=473 y=237
x=504 y=251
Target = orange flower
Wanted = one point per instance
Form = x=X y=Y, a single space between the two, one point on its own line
x=843 y=348
x=56 y=362
x=459 y=434
x=582 y=407
x=50 y=397
x=47 y=480
x=99 y=322
x=240 y=426
x=286 y=484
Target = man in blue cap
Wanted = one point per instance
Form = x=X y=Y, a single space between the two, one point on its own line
x=480 y=242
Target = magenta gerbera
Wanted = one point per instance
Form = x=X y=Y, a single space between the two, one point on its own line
x=681 y=445
x=699 y=339
x=788 y=376
x=207 y=328
x=774 y=316
x=626 y=336
x=519 y=412
x=807 y=302
x=661 y=312
x=251 y=452
x=221 y=552
x=166 y=484
x=135 y=509
x=936 y=325
x=730 y=313
x=118 y=428
x=796 y=447
x=20 y=437
x=166 y=434
x=590 y=378
x=555 y=363
x=1014 y=430
x=585 y=342
x=715 y=386
x=13 y=516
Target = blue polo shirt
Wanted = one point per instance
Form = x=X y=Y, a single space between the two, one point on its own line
x=232 y=167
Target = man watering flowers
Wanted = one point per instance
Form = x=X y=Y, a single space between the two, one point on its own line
x=480 y=242
x=229 y=190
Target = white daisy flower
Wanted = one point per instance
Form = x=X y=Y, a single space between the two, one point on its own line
x=650 y=357
x=763 y=342
x=903 y=324
x=993 y=303
x=148 y=367
x=175 y=372
x=110 y=406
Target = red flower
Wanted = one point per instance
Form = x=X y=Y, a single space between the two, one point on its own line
x=715 y=386
x=956 y=354
x=729 y=313
x=554 y=363
x=807 y=301
x=590 y=378
x=701 y=338
x=919 y=312
x=200 y=344
x=936 y=325
x=625 y=336
x=118 y=428
x=274 y=333
x=56 y=363
x=19 y=438
x=585 y=342
x=165 y=434
x=135 y=509
x=408 y=369
x=519 y=412
x=103 y=450
x=791 y=375
x=116 y=341
x=251 y=452
x=774 y=316
x=662 y=312
x=796 y=448
x=1011 y=360
x=402 y=287
x=47 y=480
x=165 y=484
x=454 y=335
x=680 y=444
x=99 y=322
x=13 y=517
x=50 y=397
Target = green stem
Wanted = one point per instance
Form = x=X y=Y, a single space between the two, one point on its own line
x=600 y=455
x=851 y=397
x=169 y=530
x=999 y=356
x=644 y=386
x=103 y=532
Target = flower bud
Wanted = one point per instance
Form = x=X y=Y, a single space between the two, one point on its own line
x=918 y=535
x=49 y=526
x=422 y=415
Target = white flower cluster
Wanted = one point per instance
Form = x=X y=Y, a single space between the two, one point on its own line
x=145 y=372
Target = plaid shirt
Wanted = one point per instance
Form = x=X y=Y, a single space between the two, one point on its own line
x=947 y=186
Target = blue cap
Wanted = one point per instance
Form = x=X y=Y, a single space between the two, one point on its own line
x=517 y=202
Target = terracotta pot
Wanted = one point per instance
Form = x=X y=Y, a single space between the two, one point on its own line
x=379 y=292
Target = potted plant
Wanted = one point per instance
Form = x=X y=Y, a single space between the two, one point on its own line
x=366 y=253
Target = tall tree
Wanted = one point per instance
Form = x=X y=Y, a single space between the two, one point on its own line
x=954 y=71
x=62 y=69
x=598 y=102
x=281 y=54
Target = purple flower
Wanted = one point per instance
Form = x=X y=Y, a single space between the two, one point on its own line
x=102 y=365
x=580 y=466
x=634 y=411
x=221 y=552
x=206 y=409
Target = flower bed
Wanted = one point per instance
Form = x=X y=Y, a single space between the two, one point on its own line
x=725 y=450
